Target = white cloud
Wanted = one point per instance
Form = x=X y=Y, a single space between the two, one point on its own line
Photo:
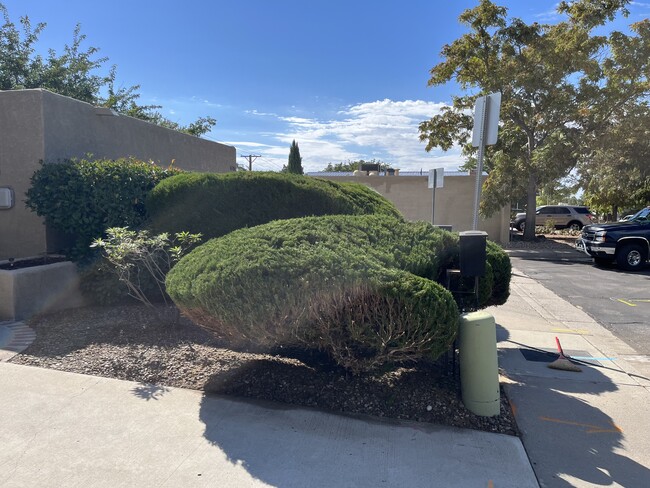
x=385 y=129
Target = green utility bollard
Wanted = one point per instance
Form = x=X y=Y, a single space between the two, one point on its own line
x=479 y=373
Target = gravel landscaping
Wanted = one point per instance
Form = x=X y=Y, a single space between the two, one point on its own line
x=132 y=343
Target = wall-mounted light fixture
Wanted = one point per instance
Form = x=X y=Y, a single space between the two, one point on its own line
x=6 y=198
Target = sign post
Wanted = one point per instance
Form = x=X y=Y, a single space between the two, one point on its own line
x=486 y=127
x=436 y=180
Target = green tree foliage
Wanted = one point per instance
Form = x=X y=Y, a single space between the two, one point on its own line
x=614 y=168
x=351 y=166
x=76 y=73
x=83 y=198
x=541 y=72
x=362 y=288
x=295 y=160
x=215 y=204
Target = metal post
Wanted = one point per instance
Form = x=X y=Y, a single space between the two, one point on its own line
x=479 y=161
x=433 y=199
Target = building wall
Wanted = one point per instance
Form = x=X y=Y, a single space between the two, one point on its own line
x=37 y=125
x=22 y=232
x=454 y=203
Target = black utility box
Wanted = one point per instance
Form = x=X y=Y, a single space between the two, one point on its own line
x=472 y=252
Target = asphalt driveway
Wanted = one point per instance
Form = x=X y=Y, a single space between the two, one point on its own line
x=619 y=300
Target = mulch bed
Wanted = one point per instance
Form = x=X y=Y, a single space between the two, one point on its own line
x=133 y=343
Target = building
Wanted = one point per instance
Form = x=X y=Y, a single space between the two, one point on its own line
x=37 y=126
x=454 y=202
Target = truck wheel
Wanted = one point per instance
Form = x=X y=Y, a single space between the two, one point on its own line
x=521 y=226
x=631 y=257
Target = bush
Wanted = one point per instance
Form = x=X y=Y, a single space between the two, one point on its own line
x=83 y=198
x=405 y=318
x=141 y=261
x=362 y=288
x=216 y=204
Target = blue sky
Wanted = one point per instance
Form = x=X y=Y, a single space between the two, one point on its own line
x=347 y=79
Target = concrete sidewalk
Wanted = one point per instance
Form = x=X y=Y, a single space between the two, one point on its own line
x=579 y=429
x=62 y=429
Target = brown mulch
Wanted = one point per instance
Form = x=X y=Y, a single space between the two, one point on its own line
x=132 y=343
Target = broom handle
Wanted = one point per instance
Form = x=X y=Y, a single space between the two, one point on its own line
x=559 y=347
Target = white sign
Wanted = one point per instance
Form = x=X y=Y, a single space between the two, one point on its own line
x=436 y=178
x=440 y=177
x=486 y=119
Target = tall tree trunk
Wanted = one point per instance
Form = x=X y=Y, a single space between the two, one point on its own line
x=531 y=207
x=615 y=212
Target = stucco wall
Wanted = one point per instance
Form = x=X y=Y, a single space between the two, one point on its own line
x=454 y=203
x=22 y=232
x=37 y=125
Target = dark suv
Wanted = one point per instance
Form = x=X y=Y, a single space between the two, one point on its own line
x=561 y=216
x=627 y=243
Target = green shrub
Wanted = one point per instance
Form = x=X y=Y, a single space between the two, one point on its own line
x=141 y=261
x=216 y=204
x=502 y=270
x=83 y=198
x=362 y=288
x=99 y=285
x=404 y=318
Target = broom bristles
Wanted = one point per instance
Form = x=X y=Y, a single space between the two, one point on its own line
x=563 y=362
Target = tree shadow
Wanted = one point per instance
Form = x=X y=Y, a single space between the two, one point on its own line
x=566 y=437
x=149 y=392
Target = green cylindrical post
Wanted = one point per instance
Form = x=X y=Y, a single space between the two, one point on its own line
x=479 y=370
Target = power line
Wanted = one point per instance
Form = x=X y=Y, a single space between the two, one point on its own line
x=276 y=166
x=250 y=160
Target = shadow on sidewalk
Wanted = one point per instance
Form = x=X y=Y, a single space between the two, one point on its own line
x=564 y=435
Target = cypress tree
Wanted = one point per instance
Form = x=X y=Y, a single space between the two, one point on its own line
x=295 y=161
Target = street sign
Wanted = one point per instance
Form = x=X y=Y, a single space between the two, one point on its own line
x=436 y=178
x=486 y=128
x=486 y=113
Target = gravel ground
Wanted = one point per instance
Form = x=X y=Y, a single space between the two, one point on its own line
x=132 y=343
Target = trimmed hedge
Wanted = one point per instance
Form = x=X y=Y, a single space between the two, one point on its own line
x=362 y=288
x=216 y=204
x=83 y=198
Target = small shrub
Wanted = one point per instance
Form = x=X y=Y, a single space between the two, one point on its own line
x=98 y=283
x=216 y=204
x=83 y=197
x=141 y=261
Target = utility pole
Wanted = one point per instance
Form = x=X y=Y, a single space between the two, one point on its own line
x=250 y=158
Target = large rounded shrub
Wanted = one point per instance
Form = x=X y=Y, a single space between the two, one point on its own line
x=362 y=288
x=215 y=204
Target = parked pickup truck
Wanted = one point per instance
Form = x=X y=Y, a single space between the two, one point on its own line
x=627 y=243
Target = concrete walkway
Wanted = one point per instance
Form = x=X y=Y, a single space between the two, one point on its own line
x=584 y=429
x=67 y=430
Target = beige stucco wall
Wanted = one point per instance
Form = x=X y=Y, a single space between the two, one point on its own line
x=37 y=125
x=454 y=203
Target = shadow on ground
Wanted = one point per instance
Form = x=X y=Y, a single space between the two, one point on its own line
x=569 y=438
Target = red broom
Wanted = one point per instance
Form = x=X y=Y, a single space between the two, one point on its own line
x=563 y=362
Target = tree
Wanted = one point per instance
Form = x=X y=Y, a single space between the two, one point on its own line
x=613 y=167
x=535 y=68
x=295 y=161
x=350 y=166
x=75 y=73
